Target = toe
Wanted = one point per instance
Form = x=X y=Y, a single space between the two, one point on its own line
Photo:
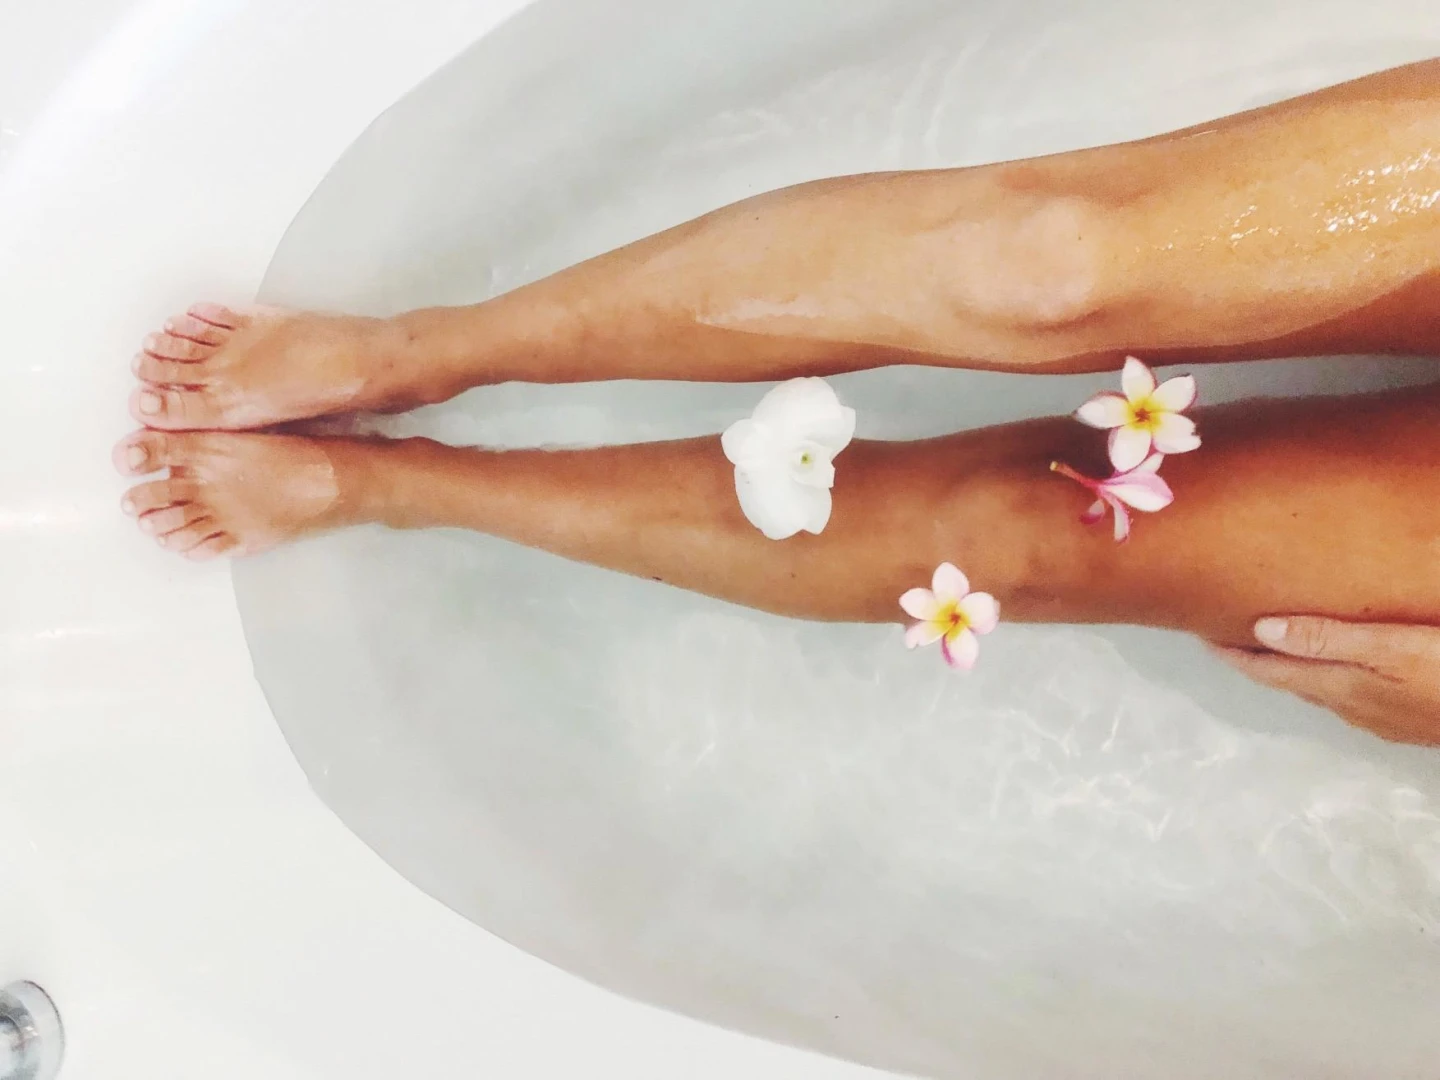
x=171 y=519
x=218 y=315
x=213 y=548
x=157 y=495
x=172 y=347
x=197 y=330
x=191 y=536
x=151 y=369
x=174 y=409
x=150 y=451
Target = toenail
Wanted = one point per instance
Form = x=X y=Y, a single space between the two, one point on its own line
x=162 y=540
x=127 y=505
x=135 y=364
x=152 y=341
x=136 y=456
x=149 y=403
x=148 y=526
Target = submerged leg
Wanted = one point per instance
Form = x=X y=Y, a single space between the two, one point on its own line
x=1329 y=506
x=1306 y=228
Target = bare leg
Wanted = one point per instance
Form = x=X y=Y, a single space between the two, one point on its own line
x=1280 y=512
x=1307 y=228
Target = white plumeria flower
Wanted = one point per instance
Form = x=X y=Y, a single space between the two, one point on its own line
x=1146 y=418
x=784 y=457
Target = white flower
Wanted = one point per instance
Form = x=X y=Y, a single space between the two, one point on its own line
x=1146 y=418
x=784 y=457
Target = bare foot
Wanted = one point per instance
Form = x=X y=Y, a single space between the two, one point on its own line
x=241 y=494
x=220 y=369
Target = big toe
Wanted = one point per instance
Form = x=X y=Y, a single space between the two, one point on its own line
x=173 y=408
x=144 y=452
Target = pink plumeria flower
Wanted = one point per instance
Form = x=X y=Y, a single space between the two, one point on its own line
x=1146 y=418
x=948 y=612
x=1139 y=489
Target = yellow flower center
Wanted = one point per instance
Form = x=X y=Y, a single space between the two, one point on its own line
x=1145 y=415
x=952 y=619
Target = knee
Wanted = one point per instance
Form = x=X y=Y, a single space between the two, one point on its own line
x=1037 y=263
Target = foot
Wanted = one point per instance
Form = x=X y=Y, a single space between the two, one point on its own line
x=221 y=369
x=241 y=494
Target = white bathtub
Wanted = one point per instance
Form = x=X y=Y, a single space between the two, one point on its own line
x=170 y=874
x=166 y=872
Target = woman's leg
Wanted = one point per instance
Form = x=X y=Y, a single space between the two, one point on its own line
x=1328 y=506
x=1306 y=228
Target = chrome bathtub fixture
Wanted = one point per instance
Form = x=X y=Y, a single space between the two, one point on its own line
x=32 y=1040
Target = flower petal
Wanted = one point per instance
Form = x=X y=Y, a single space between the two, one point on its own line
x=923 y=633
x=1177 y=394
x=1150 y=465
x=820 y=472
x=961 y=650
x=1175 y=434
x=949 y=584
x=1129 y=447
x=1137 y=380
x=1122 y=523
x=805 y=410
x=1145 y=492
x=745 y=443
x=836 y=433
x=920 y=604
x=1095 y=514
x=816 y=506
x=773 y=502
x=981 y=611
x=1107 y=410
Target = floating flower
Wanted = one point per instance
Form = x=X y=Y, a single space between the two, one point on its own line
x=948 y=612
x=1139 y=489
x=784 y=457
x=1144 y=419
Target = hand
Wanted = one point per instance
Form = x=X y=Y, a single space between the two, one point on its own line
x=1380 y=677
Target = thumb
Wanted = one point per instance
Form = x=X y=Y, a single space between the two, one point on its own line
x=1376 y=645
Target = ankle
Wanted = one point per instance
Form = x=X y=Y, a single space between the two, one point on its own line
x=370 y=476
x=515 y=337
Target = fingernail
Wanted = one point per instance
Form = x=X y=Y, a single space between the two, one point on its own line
x=135 y=457
x=1272 y=631
x=149 y=403
x=127 y=505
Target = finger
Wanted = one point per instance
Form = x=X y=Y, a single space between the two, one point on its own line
x=1382 y=646
x=1332 y=686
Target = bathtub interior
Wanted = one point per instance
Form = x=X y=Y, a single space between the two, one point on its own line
x=1099 y=854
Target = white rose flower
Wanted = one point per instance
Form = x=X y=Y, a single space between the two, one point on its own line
x=784 y=457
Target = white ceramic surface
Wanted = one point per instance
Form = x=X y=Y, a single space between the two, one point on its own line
x=1156 y=872
x=165 y=871
x=1101 y=855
